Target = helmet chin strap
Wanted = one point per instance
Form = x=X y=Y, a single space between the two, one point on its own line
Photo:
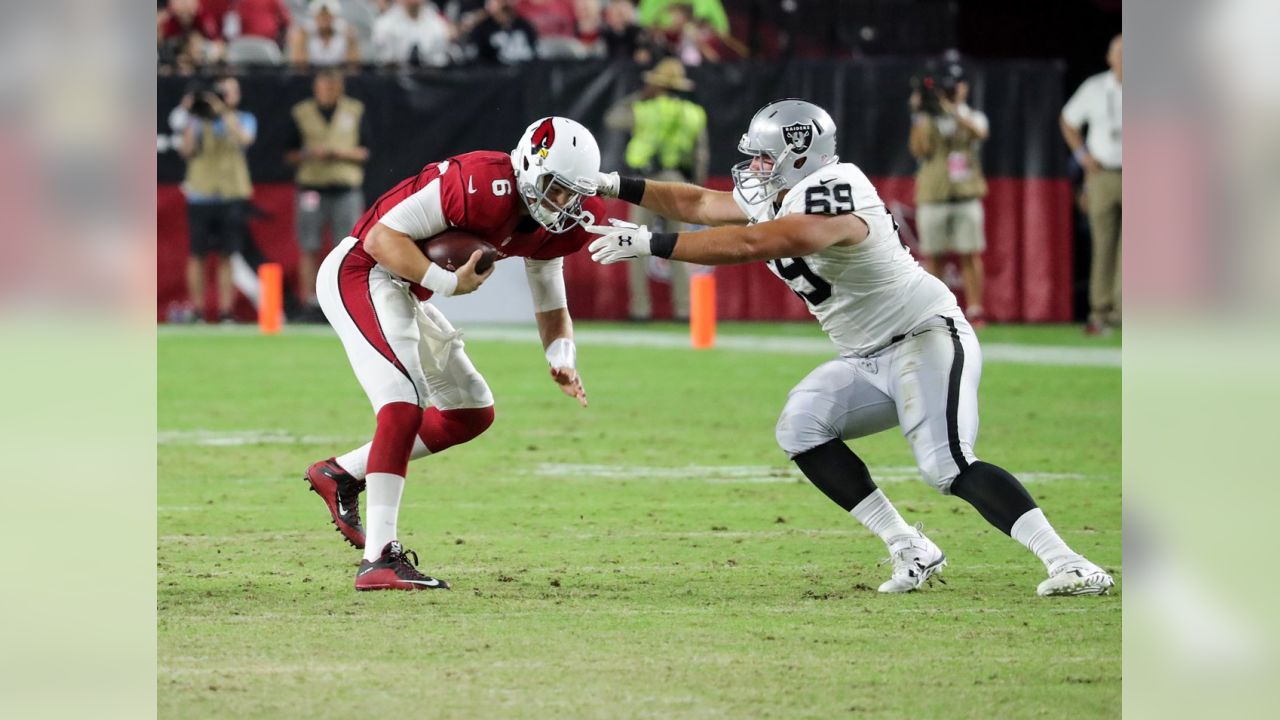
x=555 y=219
x=769 y=186
x=756 y=189
x=543 y=215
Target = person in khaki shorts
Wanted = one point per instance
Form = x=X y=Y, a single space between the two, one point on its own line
x=328 y=149
x=668 y=143
x=945 y=137
x=1096 y=107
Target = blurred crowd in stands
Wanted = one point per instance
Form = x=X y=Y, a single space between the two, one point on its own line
x=666 y=131
x=193 y=35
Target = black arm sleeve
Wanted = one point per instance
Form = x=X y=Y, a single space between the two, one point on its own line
x=630 y=189
x=663 y=244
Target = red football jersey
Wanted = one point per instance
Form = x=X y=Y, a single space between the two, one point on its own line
x=478 y=195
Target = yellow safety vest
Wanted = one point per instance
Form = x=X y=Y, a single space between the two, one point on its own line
x=667 y=128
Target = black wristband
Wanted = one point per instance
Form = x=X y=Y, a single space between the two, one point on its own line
x=662 y=244
x=630 y=189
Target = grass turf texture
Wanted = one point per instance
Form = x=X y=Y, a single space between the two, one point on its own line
x=647 y=595
x=1038 y=334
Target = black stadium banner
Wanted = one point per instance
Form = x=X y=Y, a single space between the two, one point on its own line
x=429 y=115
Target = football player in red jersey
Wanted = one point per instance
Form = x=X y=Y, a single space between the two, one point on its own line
x=427 y=395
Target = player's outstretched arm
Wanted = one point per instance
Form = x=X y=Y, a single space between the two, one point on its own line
x=791 y=236
x=397 y=252
x=692 y=204
x=679 y=201
x=555 y=327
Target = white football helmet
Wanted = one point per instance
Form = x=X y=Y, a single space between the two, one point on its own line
x=559 y=151
x=798 y=136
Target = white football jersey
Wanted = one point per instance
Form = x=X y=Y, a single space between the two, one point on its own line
x=864 y=295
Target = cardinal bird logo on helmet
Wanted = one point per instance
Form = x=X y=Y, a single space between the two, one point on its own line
x=543 y=138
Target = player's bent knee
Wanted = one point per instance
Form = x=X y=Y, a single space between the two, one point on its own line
x=472 y=421
x=399 y=417
x=398 y=423
x=442 y=429
x=940 y=475
x=478 y=393
x=798 y=431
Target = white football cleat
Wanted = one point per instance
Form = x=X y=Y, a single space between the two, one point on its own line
x=1076 y=576
x=915 y=559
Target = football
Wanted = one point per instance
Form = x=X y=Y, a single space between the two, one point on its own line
x=452 y=248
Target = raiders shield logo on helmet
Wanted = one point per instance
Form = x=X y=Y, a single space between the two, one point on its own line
x=798 y=136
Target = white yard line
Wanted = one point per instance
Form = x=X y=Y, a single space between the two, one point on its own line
x=992 y=352
x=1051 y=355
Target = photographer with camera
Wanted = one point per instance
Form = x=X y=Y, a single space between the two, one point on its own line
x=215 y=134
x=946 y=135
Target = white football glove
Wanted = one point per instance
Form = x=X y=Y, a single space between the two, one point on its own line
x=622 y=241
x=607 y=184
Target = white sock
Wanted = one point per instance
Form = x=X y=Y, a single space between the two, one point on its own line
x=356 y=462
x=881 y=517
x=384 y=506
x=1035 y=532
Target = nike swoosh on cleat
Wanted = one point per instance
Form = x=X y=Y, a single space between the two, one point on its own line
x=429 y=583
x=341 y=510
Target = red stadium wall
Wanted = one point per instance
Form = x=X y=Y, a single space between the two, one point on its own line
x=1028 y=258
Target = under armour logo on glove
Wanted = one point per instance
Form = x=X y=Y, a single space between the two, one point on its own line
x=619 y=241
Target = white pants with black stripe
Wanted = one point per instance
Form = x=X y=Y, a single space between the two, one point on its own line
x=927 y=384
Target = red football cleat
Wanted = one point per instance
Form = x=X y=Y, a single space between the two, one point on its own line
x=393 y=571
x=341 y=493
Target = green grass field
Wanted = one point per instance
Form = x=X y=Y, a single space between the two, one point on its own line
x=654 y=555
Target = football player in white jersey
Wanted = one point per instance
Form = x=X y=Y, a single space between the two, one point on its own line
x=907 y=356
